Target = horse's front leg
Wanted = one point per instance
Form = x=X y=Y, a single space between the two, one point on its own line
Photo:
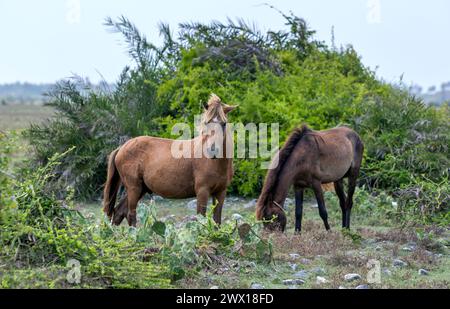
x=219 y=199
x=317 y=187
x=202 y=201
x=298 y=208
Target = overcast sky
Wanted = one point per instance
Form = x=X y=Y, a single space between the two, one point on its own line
x=46 y=40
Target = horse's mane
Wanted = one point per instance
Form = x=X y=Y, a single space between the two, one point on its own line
x=273 y=175
x=214 y=110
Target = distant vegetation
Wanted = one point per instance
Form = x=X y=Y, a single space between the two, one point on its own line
x=23 y=93
x=26 y=93
x=434 y=96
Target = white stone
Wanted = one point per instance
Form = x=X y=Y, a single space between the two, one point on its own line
x=352 y=277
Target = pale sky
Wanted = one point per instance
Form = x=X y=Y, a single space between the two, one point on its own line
x=46 y=40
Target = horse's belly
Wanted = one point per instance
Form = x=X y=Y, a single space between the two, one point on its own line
x=332 y=173
x=171 y=190
x=170 y=182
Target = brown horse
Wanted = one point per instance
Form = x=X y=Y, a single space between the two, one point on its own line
x=308 y=160
x=147 y=165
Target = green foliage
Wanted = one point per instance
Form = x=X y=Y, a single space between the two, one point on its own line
x=404 y=140
x=199 y=242
x=427 y=200
x=37 y=229
x=286 y=77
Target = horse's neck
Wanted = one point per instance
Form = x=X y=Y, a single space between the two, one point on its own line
x=284 y=182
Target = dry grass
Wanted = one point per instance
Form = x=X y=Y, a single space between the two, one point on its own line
x=18 y=117
x=314 y=241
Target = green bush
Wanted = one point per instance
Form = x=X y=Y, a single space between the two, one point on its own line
x=286 y=76
x=37 y=229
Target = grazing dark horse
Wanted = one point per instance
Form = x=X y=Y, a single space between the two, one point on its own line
x=147 y=165
x=308 y=160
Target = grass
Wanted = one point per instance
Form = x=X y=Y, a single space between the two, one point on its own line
x=19 y=117
x=330 y=255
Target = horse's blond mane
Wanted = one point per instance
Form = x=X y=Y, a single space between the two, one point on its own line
x=214 y=111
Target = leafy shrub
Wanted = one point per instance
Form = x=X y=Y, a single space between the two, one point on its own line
x=404 y=139
x=38 y=229
x=427 y=200
x=286 y=77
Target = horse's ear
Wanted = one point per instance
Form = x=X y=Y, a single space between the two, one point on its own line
x=229 y=108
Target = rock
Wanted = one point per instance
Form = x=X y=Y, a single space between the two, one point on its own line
x=321 y=280
x=294 y=256
x=342 y=287
x=314 y=206
x=293 y=266
x=157 y=198
x=399 y=263
x=214 y=287
x=257 y=286
x=234 y=199
x=387 y=272
x=429 y=253
x=288 y=202
x=251 y=204
x=237 y=217
x=423 y=272
x=352 y=277
x=291 y=282
x=378 y=248
x=192 y=204
x=362 y=287
x=190 y=218
x=305 y=261
x=169 y=218
x=302 y=274
x=410 y=247
x=319 y=271
x=370 y=241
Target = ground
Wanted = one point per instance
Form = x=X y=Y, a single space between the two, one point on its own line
x=318 y=253
x=299 y=258
x=17 y=116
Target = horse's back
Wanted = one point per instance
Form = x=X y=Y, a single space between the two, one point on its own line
x=338 y=152
x=345 y=135
x=149 y=160
x=137 y=149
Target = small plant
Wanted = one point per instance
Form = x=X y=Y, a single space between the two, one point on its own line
x=353 y=235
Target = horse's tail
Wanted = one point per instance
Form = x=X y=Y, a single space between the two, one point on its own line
x=112 y=185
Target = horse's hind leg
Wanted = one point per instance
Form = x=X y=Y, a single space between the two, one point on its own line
x=202 y=201
x=317 y=187
x=352 y=177
x=134 y=194
x=351 y=190
x=219 y=199
x=339 y=188
x=121 y=211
